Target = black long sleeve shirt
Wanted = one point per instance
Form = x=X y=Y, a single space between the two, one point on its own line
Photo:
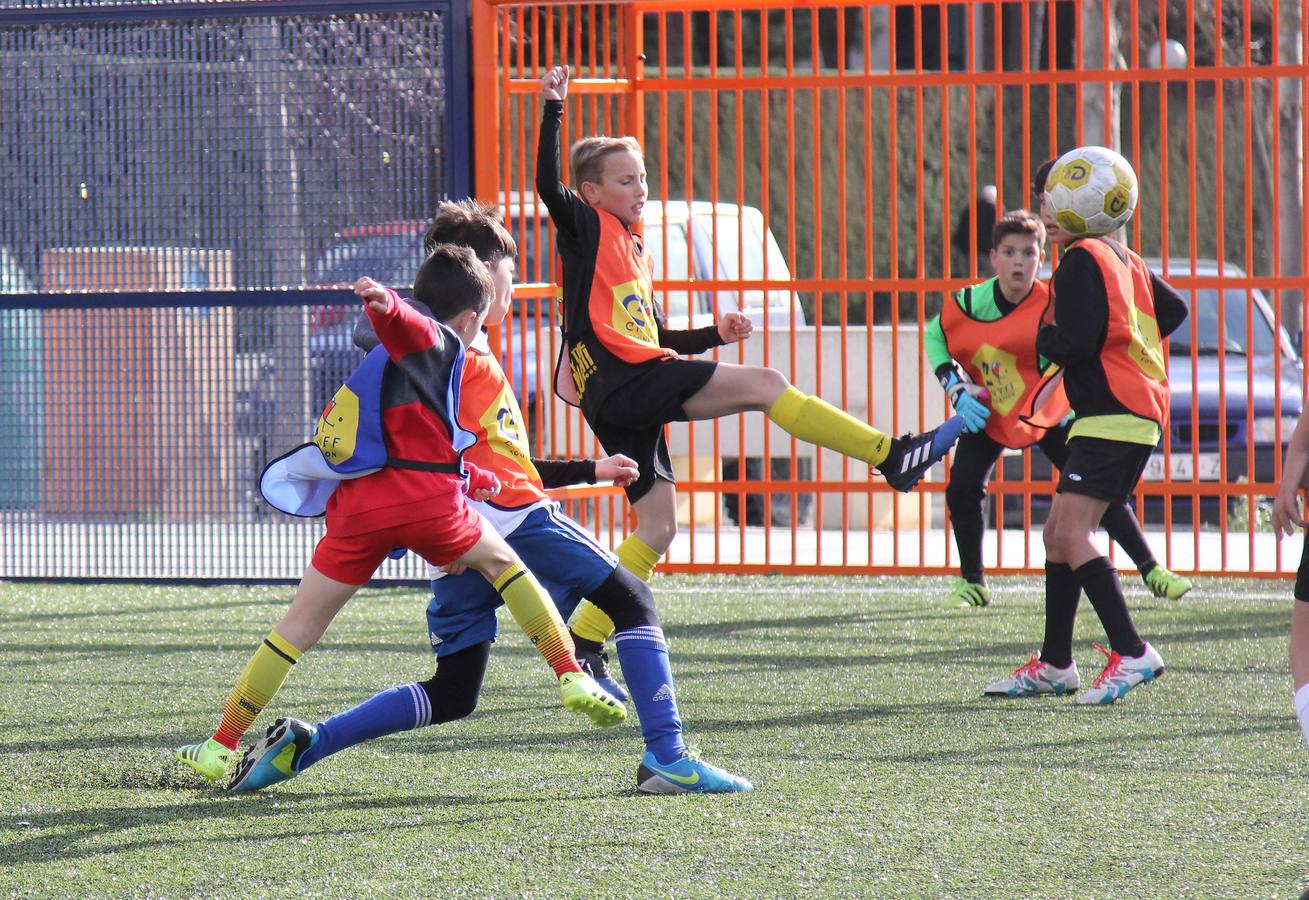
x=578 y=228
x=1082 y=316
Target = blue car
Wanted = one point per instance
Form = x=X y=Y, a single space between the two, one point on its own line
x=1228 y=362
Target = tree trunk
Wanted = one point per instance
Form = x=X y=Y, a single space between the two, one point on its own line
x=1099 y=99
x=1289 y=164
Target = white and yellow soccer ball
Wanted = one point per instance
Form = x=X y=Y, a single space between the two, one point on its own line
x=1091 y=191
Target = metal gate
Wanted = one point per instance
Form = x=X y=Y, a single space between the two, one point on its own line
x=862 y=134
x=186 y=187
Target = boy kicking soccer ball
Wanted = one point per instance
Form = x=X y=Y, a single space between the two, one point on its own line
x=623 y=366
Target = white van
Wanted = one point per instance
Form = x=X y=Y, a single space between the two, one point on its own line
x=706 y=241
x=689 y=241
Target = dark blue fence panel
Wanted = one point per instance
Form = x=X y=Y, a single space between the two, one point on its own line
x=184 y=184
x=139 y=431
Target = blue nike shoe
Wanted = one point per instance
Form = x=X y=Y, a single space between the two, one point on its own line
x=687 y=775
x=275 y=757
x=912 y=455
x=597 y=664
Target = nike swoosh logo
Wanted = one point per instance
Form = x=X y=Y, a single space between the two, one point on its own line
x=682 y=779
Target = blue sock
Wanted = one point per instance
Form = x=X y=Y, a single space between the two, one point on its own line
x=643 y=656
x=400 y=708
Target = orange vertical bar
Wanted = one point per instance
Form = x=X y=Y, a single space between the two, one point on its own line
x=871 y=260
x=486 y=99
x=765 y=97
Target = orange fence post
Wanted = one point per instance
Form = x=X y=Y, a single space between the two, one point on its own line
x=813 y=157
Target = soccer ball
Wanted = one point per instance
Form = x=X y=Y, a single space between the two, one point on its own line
x=1091 y=191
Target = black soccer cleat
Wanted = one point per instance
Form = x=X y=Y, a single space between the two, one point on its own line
x=913 y=454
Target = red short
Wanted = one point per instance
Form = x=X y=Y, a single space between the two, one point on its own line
x=353 y=559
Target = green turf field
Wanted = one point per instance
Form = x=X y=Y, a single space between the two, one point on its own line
x=854 y=704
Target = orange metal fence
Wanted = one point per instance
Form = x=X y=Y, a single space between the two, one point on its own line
x=859 y=137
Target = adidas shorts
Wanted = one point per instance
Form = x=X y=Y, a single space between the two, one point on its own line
x=1103 y=469
x=564 y=558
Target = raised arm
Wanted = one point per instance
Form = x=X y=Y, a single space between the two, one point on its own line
x=567 y=210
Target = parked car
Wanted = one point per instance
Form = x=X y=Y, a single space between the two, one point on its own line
x=680 y=238
x=1258 y=370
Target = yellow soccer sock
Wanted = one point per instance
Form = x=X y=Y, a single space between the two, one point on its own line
x=534 y=612
x=816 y=421
x=637 y=557
x=260 y=681
x=591 y=623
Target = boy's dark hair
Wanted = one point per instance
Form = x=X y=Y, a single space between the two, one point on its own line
x=451 y=280
x=474 y=224
x=1039 y=177
x=1019 y=222
x=587 y=156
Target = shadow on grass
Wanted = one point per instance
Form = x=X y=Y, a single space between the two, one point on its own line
x=230 y=815
x=143 y=610
x=1106 y=753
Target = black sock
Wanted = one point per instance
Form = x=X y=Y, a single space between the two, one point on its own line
x=1120 y=523
x=1099 y=579
x=585 y=645
x=1062 y=593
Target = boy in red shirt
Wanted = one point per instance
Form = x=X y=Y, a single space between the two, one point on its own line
x=461 y=617
x=415 y=500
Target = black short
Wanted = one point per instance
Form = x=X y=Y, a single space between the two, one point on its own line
x=1103 y=469
x=632 y=418
x=645 y=445
x=656 y=395
x=1302 y=575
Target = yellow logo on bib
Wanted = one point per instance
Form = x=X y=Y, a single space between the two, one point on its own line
x=1000 y=376
x=634 y=312
x=1144 y=349
x=337 y=428
x=504 y=433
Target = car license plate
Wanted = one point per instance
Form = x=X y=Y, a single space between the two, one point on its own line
x=1181 y=466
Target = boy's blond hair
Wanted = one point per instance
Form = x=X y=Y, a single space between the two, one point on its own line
x=1020 y=222
x=587 y=156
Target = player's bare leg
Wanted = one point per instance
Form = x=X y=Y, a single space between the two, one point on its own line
x=902 y=461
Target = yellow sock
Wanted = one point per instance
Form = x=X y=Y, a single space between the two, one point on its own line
x=592 y=624
x=637 y=557
x=259 y=683
x=534 y=612
x=816 y=421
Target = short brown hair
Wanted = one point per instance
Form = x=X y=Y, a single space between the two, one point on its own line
x=1019 y=222
x=587 y=156
x=1039 y=177
x=473 y=224
x=451 y=280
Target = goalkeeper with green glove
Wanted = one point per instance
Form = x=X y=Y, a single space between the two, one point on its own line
x=982 y=348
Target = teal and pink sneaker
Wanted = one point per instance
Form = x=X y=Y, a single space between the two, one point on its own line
x=688 y=774
x=1122 y=673
x=1036 y=677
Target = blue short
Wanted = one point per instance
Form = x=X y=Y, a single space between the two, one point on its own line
x=565 y=559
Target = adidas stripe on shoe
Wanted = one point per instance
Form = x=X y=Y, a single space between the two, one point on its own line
x=912 y=455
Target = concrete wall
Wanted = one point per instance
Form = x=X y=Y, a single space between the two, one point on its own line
x=883 y=378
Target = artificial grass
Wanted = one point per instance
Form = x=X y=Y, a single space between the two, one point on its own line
x=853 y=703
